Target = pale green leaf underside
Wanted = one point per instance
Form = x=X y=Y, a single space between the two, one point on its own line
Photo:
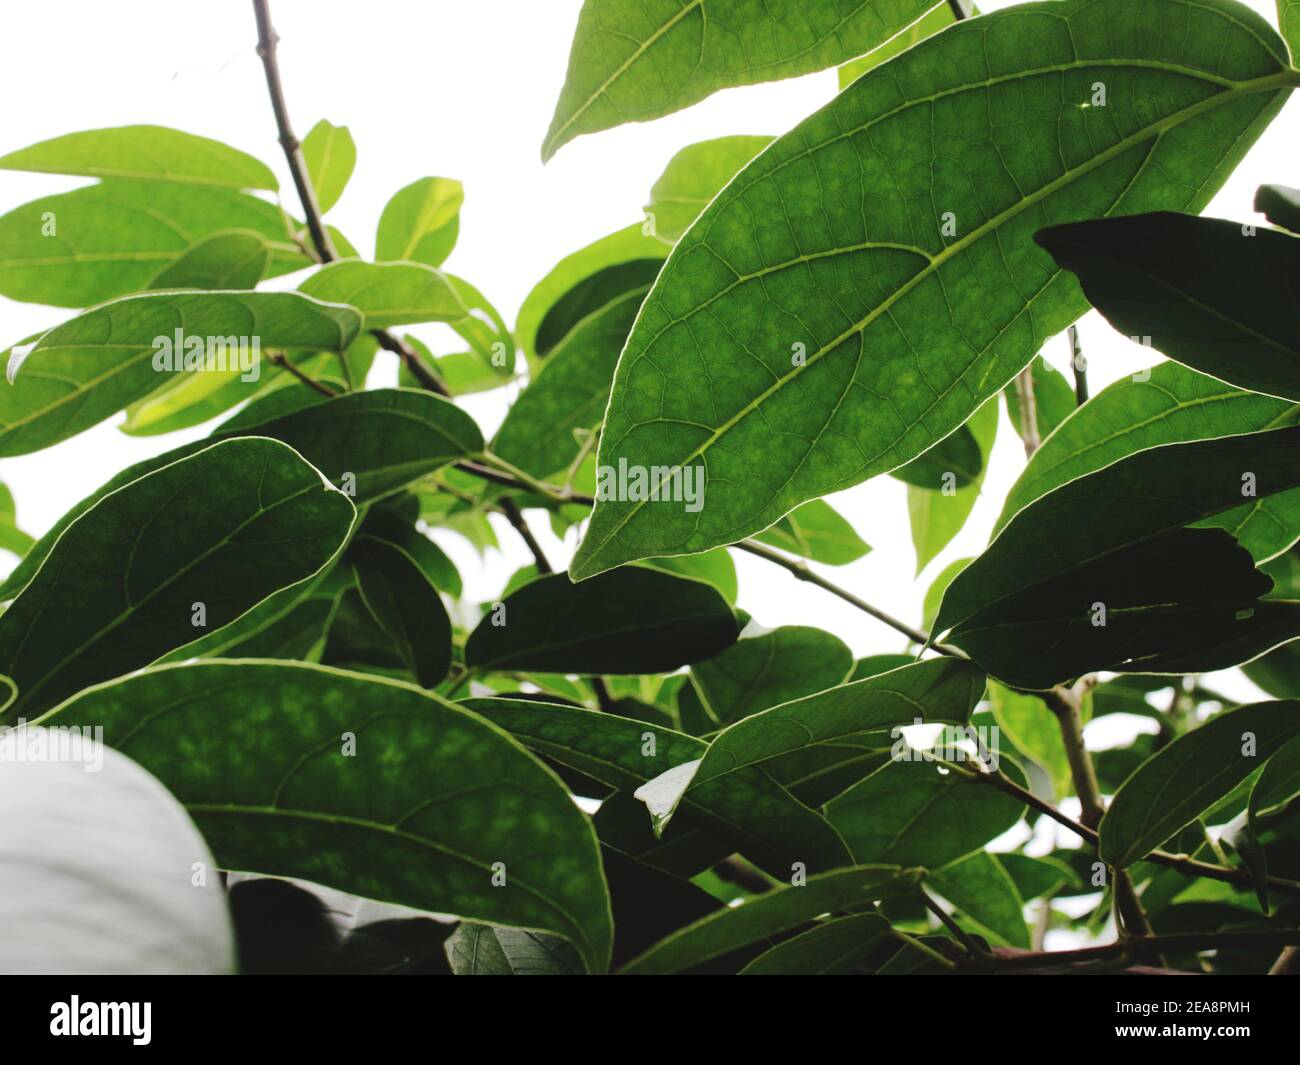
x=831 y=244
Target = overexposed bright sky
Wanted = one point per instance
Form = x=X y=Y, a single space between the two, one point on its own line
x=462 y=89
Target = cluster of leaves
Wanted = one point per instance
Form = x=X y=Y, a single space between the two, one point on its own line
x=295 y=690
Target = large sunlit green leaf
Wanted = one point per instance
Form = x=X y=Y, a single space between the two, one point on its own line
x=83 y=247
x=331 y=156
x=368 y=786
x=751 y=811
x=632 y=62
x=153 y=153
x=860 y=288
x=1167 y=404
x=1060 y=592
x=635 y=620
x=1205 y=292
x=154 y=566
x=771 y=913
x=1183 y=780
x=90 y=367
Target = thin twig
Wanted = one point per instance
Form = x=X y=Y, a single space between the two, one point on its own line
x=1028 y=407
x=1143 y=946
x=267 y=41
x=510 y=509
x=960 y=934
x=276 y=358
x=1079 y=365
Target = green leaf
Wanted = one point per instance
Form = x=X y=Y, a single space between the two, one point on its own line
x=754 y=813
x=712 y=567
x=1278 y=785
x=957 y=457
x=1280 y=205
x=102 y=836
x=390 y=522
x=230 y=260
x=1167 y=404
x=540 y=431
x=371 y=443
x=1037 y=878
x=1204 y=292
x=769 y=914
x=416 y=810
x=1184 y=779
x=632 y=63
x=90 y=367
x=219 y=531
x=484 y=950
x=636 y=620
x=1054 y=400
x=937 y=18
x=909 y=811
x=1288 y=18
x=632 y=245
x=15 y=541
x=771 y=667
x=865 y=337
x=937 y=514
x=90 y=245
x=145 y=153
x=421 y=222
x=387 y=294
x=331 y=156
x=817 y=531
x=934 y=594
x=692 y=178
x=406 y=605
x=940 y=690
x=986 y=895
x=1059 y=593
x=830 y=948
x=1034 y=731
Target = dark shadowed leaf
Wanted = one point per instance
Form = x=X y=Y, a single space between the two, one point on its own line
x=829 y=948
x=487 y=950
x=406 y=605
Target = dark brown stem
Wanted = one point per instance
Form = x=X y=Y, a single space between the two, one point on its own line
x=1079 y=366
x=276 y=358
x=515 y=517
x=973 y=949
x=1137 y=947
x=267 y=41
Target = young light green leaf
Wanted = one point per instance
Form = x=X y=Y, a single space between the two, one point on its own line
x=692 y=178
x=368 y=786
x=830 y=948
x=90 y=245
x=770 y=668
x=774 y=912
x=762 y=316
x=712 y=567
x=1205 y=292
x=153 y=566
x=1167 y=404
x=1187 y=777
x=632 y=63
x=387 y=294
x=1288 y=18
x=636 y=620
x=406 y=605
x=751 y=811
x=230 y=260
x=331 y=156
x=421 y=222
x=15 y=541
x=816 y=530
x=144 y=153
x=1059 y=593
x=90 y=367
x=104 y=837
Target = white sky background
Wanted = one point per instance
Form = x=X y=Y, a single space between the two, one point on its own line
x=464 y=89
